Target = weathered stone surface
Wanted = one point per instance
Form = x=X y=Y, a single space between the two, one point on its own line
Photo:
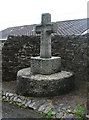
x=44 y=85
x=11 y=98
x=59 y=115
x=7 y=98
x=64 y=108
x=10 y=94
x=47 y=109
x=19 y=100
x=58 y=109
x=61 y=105
x=46 y=28
x=69 y=110
x=45 y=65
x=3 y=97
x=54 y=112
x=15 y=98
x=32 y=104
x=68 y=116
x=36 y=106
x=24 y=102
x=43 y=107
x=7 y=94
x=28 y=103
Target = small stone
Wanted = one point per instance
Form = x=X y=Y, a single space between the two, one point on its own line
x=47 y=109
x=7 y=94
x=7 y=98
x=69 y=107
x=28 y=103
x=68 y=116
x=87 y=116
x=3 y=97
x=43 y=107
x=70 y=111
x=59 y=115
x=15 y=98
x=31 y=105
x=64 y=108
x=24 y=102
x=58 y=109
x=19 y=100
x=71 y=115
x=11 y=98
x=10 y=94
x=10 y=102
x=61 y=105
x=54 y=112
x=74 y=110
x=36 y=107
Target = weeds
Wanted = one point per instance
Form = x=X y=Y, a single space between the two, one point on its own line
x=79 y=112
x=47 y=115
x=1 y=99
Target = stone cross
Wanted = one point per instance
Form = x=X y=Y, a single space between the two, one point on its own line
x=45 y=29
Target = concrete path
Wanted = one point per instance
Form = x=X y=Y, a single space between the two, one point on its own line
x=14 y=111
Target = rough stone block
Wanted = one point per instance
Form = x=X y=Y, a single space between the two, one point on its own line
x=44 y=85
x=45 y=66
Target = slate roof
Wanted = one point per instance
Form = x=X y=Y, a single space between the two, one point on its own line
x=70 y=27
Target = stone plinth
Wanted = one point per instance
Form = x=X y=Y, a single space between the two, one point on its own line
x=44 y=85
x=45 y=66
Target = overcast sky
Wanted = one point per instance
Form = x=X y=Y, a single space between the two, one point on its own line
x=26 y=12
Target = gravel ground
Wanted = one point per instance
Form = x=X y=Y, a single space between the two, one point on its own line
x=63 y=102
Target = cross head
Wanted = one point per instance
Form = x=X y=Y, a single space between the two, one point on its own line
x=45 y=29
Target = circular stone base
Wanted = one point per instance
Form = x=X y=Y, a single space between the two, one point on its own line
x=44 y=85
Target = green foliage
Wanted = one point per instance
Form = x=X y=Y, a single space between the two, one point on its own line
x=79 y=111
x=73 y=36
x=14 y=103
x=24 y=106
x=47 y=115
x=5 y=100
x=1 y=99
x=42 y=113
x=19 y=104
x=27 y=105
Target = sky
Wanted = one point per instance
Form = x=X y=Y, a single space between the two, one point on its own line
x=27 y=12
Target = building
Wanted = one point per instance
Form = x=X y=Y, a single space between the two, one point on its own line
x=69 y=27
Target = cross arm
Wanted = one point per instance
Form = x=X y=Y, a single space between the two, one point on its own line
x=38 y=29
x=51 y=27
x=54 y=27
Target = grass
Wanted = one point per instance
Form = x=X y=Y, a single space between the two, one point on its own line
x=79 y=112
x=1 y=99
x=47 y=115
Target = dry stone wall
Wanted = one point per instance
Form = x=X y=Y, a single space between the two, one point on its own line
x=17 y=51
x=16 y=54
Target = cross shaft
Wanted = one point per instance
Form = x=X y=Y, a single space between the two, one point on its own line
x=45 y=29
